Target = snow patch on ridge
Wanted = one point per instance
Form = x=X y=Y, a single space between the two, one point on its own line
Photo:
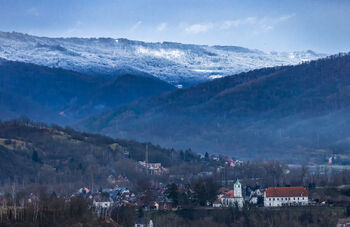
x=173 y=62
x=215 y=76
x=161 y=53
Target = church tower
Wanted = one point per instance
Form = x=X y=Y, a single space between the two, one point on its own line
x=237 y=189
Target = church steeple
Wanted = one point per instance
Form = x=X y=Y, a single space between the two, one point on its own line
x=237 y=189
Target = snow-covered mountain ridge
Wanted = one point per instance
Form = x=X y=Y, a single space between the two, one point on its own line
x=173 y=62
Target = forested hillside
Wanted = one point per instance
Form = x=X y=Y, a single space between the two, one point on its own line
x=63 y=96
x=295 y=113
x=36 y=153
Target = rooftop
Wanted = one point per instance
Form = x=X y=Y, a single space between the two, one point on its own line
x=286 y=192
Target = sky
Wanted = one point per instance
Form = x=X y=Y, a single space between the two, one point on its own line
x=274 y=25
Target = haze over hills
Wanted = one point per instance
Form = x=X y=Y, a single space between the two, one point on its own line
x=175 y=63
x=285 y=112
x=294 y=113
x=62 y=96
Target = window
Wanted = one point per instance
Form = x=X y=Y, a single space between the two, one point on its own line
x=278 y=199
x=273 y=199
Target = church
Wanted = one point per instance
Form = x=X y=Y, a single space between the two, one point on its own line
x=228 y=198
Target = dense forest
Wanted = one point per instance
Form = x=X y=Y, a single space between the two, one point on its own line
x=293 y=113
x=37 y=153
x=55 y=95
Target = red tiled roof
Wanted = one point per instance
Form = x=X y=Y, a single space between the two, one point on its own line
x=286 y=192
x=229 y=194
x=229 y=160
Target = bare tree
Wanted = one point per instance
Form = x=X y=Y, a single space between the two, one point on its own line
x=13 y=195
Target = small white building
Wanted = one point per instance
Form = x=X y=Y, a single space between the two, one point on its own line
x=254 y=196
x=141 y=224
x=231 y=198
x=286 y=196
x=253 y=200
x=103 y=205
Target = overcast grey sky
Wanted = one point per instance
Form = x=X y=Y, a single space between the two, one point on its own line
x=320 y=25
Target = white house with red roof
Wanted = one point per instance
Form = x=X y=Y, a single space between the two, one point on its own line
x=231 y=197
x=286 y=196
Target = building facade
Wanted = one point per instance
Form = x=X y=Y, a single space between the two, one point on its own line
x=231 y=197
x=286 y=196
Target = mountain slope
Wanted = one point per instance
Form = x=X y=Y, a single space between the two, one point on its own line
x=62 y=96
x=175 y=63
x=34 y=152
x=290 y=113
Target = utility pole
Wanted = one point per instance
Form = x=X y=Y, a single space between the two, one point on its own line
x=146 y=155
x=92 y=181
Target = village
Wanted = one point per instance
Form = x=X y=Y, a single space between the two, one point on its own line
x=103 y=201
x=217 y=187
x=166 y=197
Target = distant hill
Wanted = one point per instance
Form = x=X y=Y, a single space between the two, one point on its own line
x=294 y=113
x=35 y=152
x=63 y=96
x=176 y=63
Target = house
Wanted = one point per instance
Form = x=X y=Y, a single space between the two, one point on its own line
x=84 y=191
x=102 y=204
x=229 y=162
x=214 y=157
x=255 y=195
x=343 y=222
x=155 y=206
x=154 y=168
x=141 y=222
x=217 y=203
x=286 y=196
x=238 y=162
x=165 y=205
x=253 y=200
x=230 y=197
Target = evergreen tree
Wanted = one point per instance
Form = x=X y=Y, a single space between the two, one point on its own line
x=35 y=157
x=206 y=156
x=173 y=193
